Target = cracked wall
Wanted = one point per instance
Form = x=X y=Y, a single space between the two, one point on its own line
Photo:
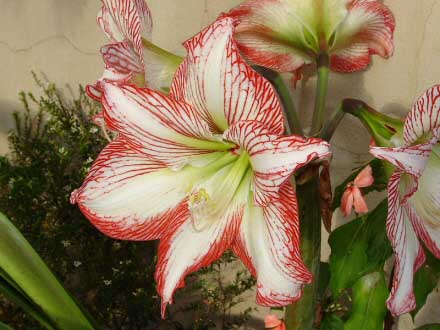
x=61 y=39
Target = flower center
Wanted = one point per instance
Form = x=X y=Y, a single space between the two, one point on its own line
x=226 y=189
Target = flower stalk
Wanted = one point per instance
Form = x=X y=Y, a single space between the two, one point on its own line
x=323 y=69
x=301 y=315
x=290 y=111
x=332 y=124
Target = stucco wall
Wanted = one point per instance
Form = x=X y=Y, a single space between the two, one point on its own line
x=60 y=39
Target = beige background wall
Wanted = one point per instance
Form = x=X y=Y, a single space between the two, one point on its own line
x=60 y=39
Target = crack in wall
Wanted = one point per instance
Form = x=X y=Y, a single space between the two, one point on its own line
x=43 y=41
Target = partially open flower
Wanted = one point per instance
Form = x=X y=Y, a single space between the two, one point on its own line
x=414 y=196
x=285 y=35
x=131 y=57
x=204 y=169
x=353 y=197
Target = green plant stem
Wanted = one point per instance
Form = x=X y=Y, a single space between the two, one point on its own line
x=285 y=97
x=288 y=105
x=333 y=123
x=323 y=68
x=301 y=315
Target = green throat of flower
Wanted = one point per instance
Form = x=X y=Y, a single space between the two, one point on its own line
x=224 y=185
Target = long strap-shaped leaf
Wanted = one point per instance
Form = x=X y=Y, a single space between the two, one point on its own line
x=4 y=327
x=27 y=277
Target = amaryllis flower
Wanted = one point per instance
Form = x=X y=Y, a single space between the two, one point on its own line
x=414 y=196
x=131 y=56
x=353 y=197
x=204 y=169
x=285 y=35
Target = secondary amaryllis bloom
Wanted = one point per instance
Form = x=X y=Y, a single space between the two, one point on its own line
x=285 y=35
x=353 y=197
x=131 y=56
x=204 y=170
x=414 y=196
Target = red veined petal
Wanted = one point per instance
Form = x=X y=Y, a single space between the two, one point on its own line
x=424 y=119
x=271 y=32
x=156 y=125
x=367 y=30
x=429 y=234
x=425 y=206
x=129 y=196
x=217 y=82
x=412 y=159
x=274 y=158
x=108 y=25
x=407 y=249
x=268 y=244
x=350 y=59
x=94 y=91
x=186 y=248
x=110 y=74
x=127 y=20
x=364 y=178
x=121 y=57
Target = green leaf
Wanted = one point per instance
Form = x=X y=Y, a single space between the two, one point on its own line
x=27 y=274
x=358 y=248
x=20 y=299
x=380 y=181
x=369 y=296
x=332 y=322
x=426 y=280
x=5 y=327
x=429 y=327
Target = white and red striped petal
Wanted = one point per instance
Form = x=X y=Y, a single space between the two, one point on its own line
x=350 y=59
x=95 y=91
x=411 y=159
x=407 y=249
x=367 y=30
x=274 y=158
x=126 y=195
x=423 y=121
x=271 y=34
x=425 y=204
x=198 y=241
x=268 y=244
x=217 y=82
x=121 y=57
x=126 y=20
x=158 y=126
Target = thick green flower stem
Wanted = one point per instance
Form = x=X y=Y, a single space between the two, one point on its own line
x=283 y=92
x=288 y=105
x=333 y=123
x=301 y=315
x=323 y=68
